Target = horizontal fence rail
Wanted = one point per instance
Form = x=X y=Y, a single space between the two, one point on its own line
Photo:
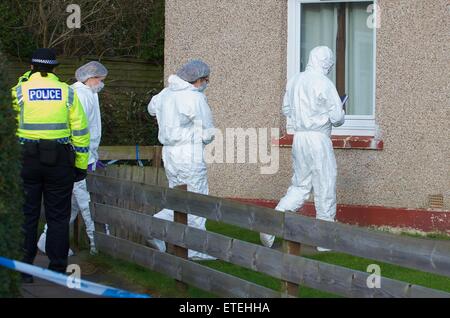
x=153 y=174
x=290 y=268
x=426 y=255
x=138 y=75
x=183 y=270
x=131 y=153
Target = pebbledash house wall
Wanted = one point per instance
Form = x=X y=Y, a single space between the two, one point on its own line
x=245 y=42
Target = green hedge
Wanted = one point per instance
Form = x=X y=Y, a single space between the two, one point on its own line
x=10 y=190
x=18 y=43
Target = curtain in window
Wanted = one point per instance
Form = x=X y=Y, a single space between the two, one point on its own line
x=319 y=27
x=359 y=74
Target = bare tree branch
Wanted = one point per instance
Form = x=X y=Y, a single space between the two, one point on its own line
x=112 y=27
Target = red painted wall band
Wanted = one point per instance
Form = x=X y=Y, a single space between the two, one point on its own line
x=339 y=142
x=423 y=220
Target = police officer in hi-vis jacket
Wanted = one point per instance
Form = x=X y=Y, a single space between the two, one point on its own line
x=53 y=131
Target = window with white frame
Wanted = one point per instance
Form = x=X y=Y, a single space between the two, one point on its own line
x=347 y=27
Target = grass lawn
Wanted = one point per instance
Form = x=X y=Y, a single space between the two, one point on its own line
x=164 y=286
x=154 y=283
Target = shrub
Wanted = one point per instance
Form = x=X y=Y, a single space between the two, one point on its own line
x=10 y=189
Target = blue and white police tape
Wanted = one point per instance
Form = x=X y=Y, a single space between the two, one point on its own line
x=66 y=281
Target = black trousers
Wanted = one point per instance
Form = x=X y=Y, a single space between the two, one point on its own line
x=54 y=184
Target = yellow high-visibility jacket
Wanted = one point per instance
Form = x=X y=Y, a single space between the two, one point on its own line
x=50 y=109
x=24 y=77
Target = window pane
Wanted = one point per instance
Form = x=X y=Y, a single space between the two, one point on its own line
x=319 y=27
x=360 y=59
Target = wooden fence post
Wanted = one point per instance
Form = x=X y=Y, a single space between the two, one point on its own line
x=182 y=218
x=157 y=155
x=290 y=289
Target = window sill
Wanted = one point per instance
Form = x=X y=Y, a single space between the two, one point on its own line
x=339 y=142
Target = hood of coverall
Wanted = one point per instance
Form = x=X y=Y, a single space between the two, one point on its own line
x=177 y=84
x=321 y=59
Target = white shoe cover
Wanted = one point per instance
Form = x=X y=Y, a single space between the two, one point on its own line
x=267 y=239
x=322 y=249
x=41 y=242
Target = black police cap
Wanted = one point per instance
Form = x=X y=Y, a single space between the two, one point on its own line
x=44 y=57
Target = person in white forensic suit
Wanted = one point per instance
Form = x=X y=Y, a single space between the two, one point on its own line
x=185 y=127
x=312 y=105
x=89 y=83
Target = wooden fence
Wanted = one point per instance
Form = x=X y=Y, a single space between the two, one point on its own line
x=124 y=74
x=152 y=175
x=145 y=193
x=129 y=87
x=150 y=153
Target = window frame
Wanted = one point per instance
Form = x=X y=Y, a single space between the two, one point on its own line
x=355 y=125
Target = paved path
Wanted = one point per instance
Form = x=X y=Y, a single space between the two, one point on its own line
x=44 y=289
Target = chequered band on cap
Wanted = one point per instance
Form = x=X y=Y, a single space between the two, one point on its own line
x=49 y=62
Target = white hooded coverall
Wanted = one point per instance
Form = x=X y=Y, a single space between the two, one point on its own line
x=185 y=127
x=313 y=106
x=80 y=195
